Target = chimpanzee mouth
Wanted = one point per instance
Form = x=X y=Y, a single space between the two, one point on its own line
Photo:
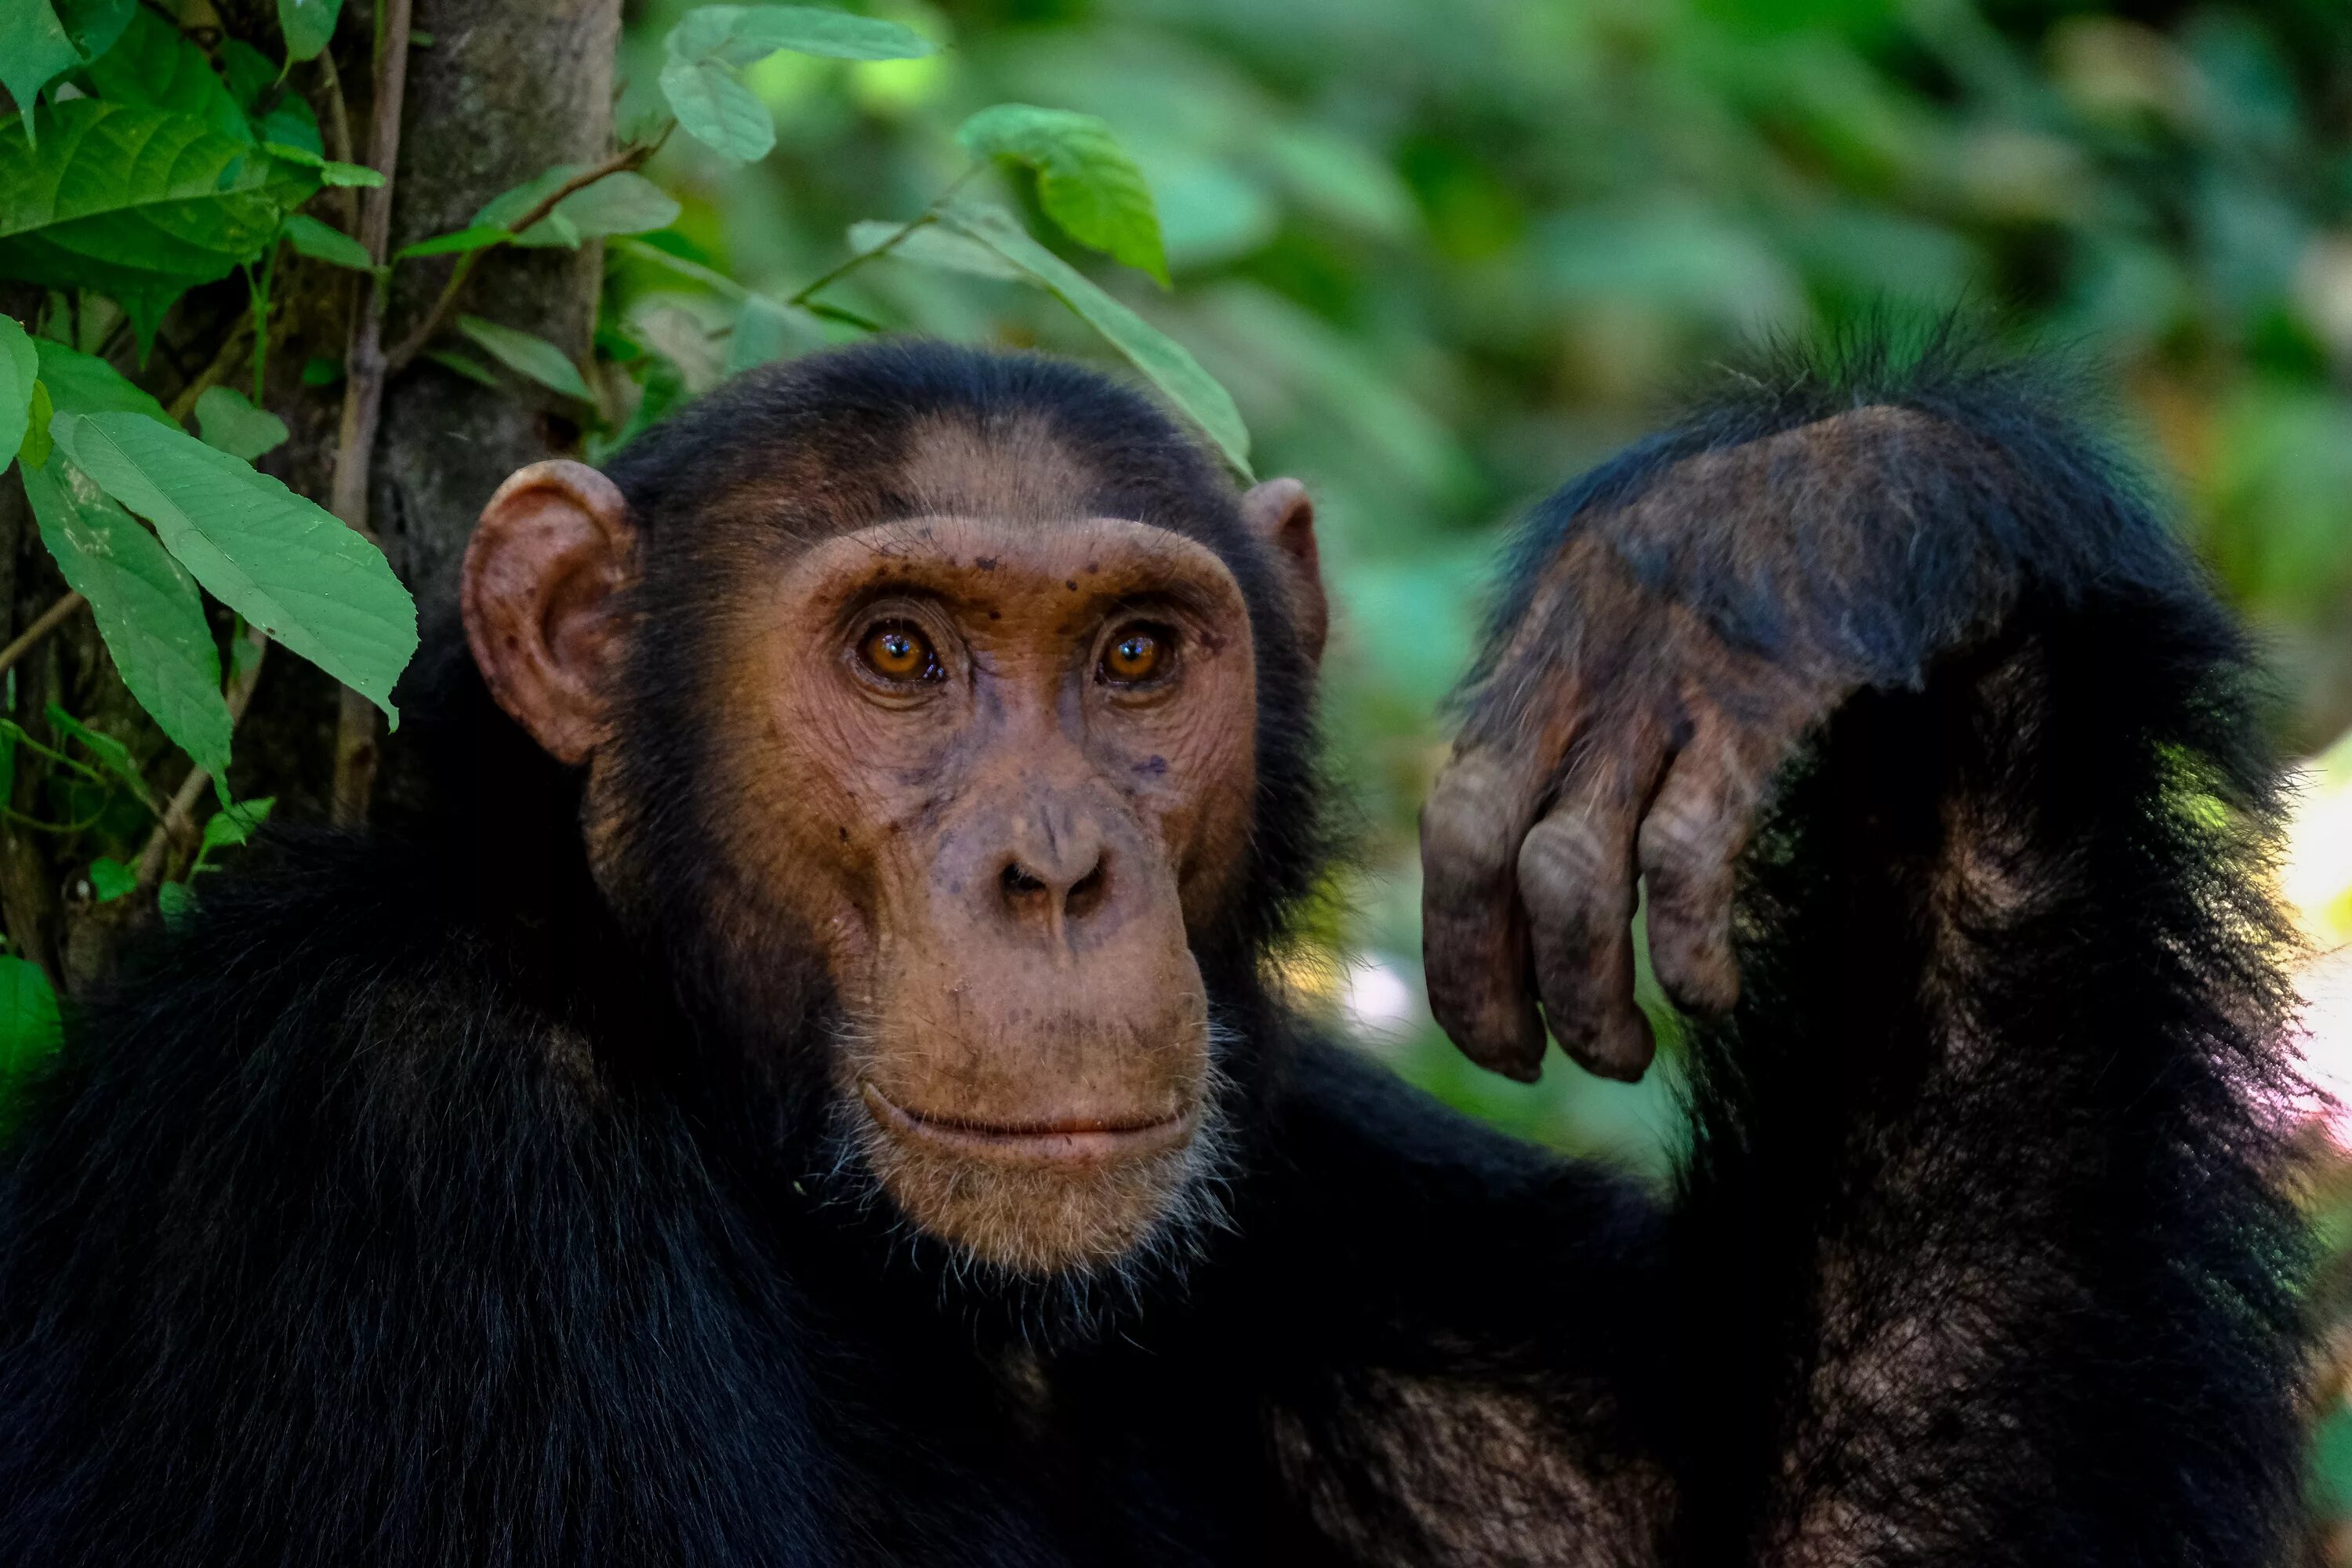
x=1070 y=1141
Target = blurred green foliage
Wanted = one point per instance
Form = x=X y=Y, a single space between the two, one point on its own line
x=1444 y=253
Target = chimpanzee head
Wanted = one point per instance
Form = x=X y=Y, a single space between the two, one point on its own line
x=961 y=692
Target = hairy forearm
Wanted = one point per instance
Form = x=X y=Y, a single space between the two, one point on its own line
x=1987 y=1132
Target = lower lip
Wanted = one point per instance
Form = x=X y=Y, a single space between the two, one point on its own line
x=1076 y=1144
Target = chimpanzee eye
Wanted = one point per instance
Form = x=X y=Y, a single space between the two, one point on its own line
x=898 y=651
x=1138 y=653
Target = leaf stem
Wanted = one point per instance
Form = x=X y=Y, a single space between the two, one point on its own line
x=363 y=369
x=855 y=260
x=176 y=822
x=445 y=307
x=47 y=621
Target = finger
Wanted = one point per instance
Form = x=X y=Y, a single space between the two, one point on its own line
x=1689 y=846
x=1576 y=880
x=1474 y=936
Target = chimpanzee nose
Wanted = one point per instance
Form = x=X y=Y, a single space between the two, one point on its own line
x=1054 y=880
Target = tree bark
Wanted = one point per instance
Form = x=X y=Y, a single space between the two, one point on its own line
x=503 y=89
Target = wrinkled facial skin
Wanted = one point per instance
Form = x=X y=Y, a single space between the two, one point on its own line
x=1001 y=770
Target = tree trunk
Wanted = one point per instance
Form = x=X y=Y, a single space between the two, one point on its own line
x=503 y=89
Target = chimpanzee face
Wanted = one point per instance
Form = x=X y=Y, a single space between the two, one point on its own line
x=998 y=770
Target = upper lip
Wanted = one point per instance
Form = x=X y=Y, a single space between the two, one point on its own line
x=1056 y=1140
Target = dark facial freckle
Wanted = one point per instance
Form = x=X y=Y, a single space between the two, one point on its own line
x=845 y=835
x=1092 y=568
x=996 y=614
x=1155 y=766
x=1071 y=583
x=985 y=563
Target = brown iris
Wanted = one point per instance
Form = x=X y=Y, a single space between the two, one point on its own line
x=896 y=651
x=1136 y=654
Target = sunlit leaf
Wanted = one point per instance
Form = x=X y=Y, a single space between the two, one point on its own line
x=308 y=25
x=137 y=203
x=704 y=51
x=1169 y=366
x=281 y=562
x=1085 y=181
x=20 y=372
x=739 y=34
x=228 y=420
x=322 y=242
x=145 y=604
x=526 y=353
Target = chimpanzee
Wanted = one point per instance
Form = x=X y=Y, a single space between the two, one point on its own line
x=811 y=1089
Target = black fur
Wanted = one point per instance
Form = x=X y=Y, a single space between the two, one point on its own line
x=408 y=1209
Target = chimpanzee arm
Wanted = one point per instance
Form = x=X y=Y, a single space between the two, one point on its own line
x=1935 y=756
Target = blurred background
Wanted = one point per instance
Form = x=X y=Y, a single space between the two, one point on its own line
x=1446 y=252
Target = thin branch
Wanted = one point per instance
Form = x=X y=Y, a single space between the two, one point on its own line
x=49 y=620
x=627 y=158
x=234 y=350
x=339 y=133
x=176 y=824
x=929 y=215
x=363 y=372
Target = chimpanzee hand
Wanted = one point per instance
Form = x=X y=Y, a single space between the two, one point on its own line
x=1666 y=658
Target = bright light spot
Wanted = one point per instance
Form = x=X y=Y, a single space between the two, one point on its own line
x=1376 y=1000
x=2317 y=882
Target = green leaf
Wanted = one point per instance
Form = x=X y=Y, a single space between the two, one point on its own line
x=228 y=420
x=157 y=64
x=30 y=1027
x=320 y=370
x=711 y=42
x=34 y=52
x=931 y=245
x=95 y=24
x=292 y=126
x=1169 y=366
x=529 y=354
x=281 y=562
x=176 y=904
x=145 y=604
x=249 y=74
x=111 y=754
x=1085 y=181
x=110 y=879
x=330 y=172
x=768 y=329
x=84 y=384
x=623 y=202
x=36 y=449
x=740 y=35
x=20 y=372
x=463 y=364
x=308 y=25
x=716 y=110
x=480 y=236
x=236 y=825
x=322 y=242
x=138 y=202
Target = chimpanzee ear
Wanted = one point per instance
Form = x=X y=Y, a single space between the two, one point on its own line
x=553 y=547
x=1279 y=513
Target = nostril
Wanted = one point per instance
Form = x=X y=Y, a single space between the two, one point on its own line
x=1020 y=884
x=1084 y=894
